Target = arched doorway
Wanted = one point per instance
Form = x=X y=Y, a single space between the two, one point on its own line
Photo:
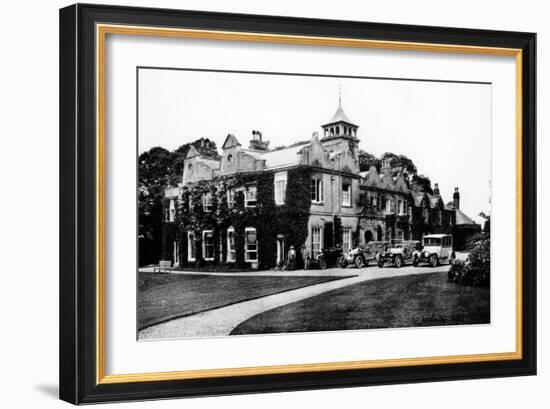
x=368 y=236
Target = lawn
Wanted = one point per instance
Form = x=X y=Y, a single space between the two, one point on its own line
x=407 y=301
x=162 y=297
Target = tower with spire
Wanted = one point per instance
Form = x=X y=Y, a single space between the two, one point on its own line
x=340 y=129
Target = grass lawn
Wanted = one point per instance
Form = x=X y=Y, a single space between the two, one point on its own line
x=162 y=297
x=408 y=301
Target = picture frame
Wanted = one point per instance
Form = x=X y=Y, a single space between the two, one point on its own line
x=84 y=177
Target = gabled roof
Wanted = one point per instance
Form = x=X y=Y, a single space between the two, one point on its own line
x=230 y=142
x=418 y=196
x=461 y=218
x=192 y=152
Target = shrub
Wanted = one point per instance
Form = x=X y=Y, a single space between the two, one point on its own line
x=476 y=270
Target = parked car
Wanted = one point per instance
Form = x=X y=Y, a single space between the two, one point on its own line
x=361 y=256
x=436 y=248
x=398 y=253
x=327 y=258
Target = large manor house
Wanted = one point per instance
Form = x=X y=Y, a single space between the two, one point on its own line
x=248 y=205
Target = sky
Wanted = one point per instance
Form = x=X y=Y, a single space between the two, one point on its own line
x=445 y=128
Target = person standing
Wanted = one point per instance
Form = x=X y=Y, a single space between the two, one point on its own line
x=291 y=258
x=305 y=257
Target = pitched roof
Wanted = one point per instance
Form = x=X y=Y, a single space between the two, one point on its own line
x=339 y=116
x=461 y=218
x=418 y=196
x=230 y=142
x=282 y=157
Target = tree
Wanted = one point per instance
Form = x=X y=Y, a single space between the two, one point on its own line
x=366 y=160
x=154 y=169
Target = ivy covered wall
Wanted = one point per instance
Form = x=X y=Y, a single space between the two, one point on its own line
x=269 y=219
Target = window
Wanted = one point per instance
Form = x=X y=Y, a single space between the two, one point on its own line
x=250 y=196
x=231 y=198
x=166 y=214
x=229 y=159
x=346 y=240
x=317 y=191
x=172 y=215
x=207 y=202
x=190 y=246
x=208 y=245
x=316 y=240
x=230 y=245
x=280 y=188
x=400 y=234
x=346 y=194
x=250 y=244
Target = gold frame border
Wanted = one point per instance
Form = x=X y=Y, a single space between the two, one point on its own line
x=101 y=33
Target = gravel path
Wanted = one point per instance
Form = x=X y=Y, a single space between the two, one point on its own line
x=221 y=321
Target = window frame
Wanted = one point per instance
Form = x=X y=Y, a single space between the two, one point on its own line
x=246 y=244
x=319 y=243
x=204 y=232
x=229 y=259
x=346 y=230
x=191 y=251
x=348 y=194
x=318 y=186
x=279 y=179
x=246 y=200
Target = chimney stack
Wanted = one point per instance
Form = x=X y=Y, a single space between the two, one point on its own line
x=256 y=142
x=436 y=189
x=456 y=199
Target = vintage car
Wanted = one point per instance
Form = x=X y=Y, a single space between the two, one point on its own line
x=327 y=258
x=362 y=255
x=436 y=248
x=398 y=253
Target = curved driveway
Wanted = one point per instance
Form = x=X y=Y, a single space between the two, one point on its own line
x=221 y=321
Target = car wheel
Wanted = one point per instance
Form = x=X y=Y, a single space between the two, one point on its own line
x=433 y=260
x=342 y=262
x=359 y=262
x=398 y=262
x=380 y=263
x=322 y=264
x=415 y=261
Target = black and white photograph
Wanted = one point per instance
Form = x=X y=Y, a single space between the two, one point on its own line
x=281 y=203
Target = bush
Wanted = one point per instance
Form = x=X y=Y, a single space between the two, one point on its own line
x=476 y=270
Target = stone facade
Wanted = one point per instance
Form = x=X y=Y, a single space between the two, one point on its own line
x=242 y=211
